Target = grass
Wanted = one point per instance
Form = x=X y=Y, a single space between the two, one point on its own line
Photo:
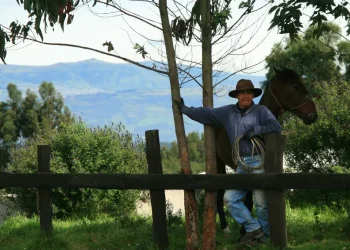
x=306 y=231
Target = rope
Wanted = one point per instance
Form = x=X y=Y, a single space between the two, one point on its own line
x=257 y=144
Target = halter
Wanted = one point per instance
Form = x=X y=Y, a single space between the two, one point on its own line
x=282 y=110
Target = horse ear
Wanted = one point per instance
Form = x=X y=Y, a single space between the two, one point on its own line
x=276 y=70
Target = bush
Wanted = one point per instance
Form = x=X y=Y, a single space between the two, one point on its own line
x=76 y=148
x=336 y=200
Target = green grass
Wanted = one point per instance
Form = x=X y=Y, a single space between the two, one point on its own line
x=331 y=231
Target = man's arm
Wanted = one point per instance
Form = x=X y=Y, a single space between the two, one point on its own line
x=209 y=116
x=268 y=122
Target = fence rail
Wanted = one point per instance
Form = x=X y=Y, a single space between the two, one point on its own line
x=274 y=181
x=178 y=182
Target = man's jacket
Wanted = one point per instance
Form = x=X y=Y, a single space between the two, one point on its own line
x=257 y=116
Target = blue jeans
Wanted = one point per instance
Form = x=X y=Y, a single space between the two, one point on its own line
x=234 y=199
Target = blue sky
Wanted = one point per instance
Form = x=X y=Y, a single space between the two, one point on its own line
x=89 y=30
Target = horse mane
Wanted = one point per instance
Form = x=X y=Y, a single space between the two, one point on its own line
x=287 y=73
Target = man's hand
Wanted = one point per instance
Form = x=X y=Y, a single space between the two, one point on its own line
x=180 y=103
x=249 y=134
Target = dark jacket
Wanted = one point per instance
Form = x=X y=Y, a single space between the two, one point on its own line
x=257 y=116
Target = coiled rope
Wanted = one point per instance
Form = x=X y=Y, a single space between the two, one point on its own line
x=257 y=145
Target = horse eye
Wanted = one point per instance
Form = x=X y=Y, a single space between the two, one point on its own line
x=297 y=87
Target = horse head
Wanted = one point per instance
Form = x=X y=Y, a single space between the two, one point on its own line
x=290 y=94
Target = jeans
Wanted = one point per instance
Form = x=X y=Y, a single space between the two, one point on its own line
x=234 y=199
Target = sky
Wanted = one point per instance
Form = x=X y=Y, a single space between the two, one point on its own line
x=92 y=30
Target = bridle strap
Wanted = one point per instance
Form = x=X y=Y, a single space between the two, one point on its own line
x=274 y=97
x=282 y=110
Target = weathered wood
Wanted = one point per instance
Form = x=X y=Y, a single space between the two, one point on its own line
x=209 y=214
x=191 y=208
x=275 y=197
x=160 y=229
x=44 y=194
x=178 y=181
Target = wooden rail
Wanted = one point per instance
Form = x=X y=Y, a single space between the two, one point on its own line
x=274 y=181
x=178 y=182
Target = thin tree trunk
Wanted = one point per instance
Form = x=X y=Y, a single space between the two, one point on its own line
x=209 y=223
x=191 y=210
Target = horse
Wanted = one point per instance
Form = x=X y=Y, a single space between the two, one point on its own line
x=284 y=92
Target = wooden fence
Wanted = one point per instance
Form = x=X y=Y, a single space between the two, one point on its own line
x=274 y=182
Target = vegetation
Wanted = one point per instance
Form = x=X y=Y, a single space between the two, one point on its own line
x=323 y=146
x=22 y=118
x=212 y=19
x=307 y=229
x=316 y=218
x=170 y=155
x=76 y=148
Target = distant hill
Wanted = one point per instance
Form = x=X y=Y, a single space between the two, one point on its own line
x=102 y=92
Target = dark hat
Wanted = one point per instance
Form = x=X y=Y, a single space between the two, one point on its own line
x=245 y=84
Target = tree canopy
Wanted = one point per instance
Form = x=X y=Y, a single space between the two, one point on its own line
x=22 y=118
x=78 y=148
x=317 y=60
x=324 y=144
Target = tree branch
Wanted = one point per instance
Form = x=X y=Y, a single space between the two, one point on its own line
x=248 y=66
x=119 y=8
x=98 y=51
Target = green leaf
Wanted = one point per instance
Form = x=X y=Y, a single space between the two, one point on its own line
x=18 y=29
x=61 y=19
x=70 y=19
x=37 y=26
x=13 y=26
x=7 y=38
x=109 y=46
x=28 y=5
x=273 y=9
x=2 y=46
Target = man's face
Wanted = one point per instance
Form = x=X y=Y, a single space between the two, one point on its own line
x=245 y=98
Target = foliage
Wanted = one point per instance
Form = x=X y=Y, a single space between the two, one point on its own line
x=286 y=17
x=323 y=146
x=170 y=156
x=314 y=59
x=344 y=57
x=76 y=148
x=135 y=233
x=288 y=13
x=22 y=118
x=326 y=143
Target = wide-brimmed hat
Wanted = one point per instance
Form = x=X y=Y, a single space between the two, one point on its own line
x=245 y=84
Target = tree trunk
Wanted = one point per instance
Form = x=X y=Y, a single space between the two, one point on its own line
x=191 y=210
x=209 y=223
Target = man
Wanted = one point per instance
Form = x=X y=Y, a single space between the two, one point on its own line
x=248 y=120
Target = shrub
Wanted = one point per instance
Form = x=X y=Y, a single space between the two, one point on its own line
x=76 y=148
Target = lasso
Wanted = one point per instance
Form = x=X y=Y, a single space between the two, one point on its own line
x=257 y=145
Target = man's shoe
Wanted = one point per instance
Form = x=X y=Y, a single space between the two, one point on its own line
x=264 y=238
x=227 y=230
x=251 y=235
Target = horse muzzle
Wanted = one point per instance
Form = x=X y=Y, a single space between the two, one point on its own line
x=310 y=118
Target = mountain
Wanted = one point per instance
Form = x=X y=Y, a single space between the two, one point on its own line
x=102 y=92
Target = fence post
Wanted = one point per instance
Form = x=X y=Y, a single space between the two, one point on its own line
x=44 y=194
x=275 y=198
x=160 y=230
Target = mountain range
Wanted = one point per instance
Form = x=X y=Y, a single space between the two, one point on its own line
x=102 y=93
